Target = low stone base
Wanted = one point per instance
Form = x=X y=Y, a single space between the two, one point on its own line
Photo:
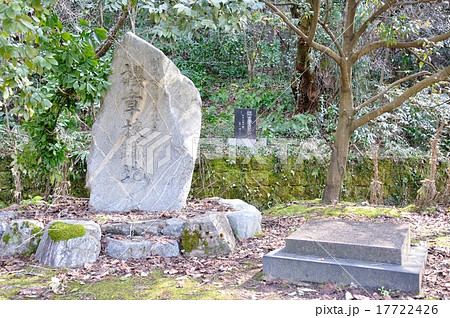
x=247 y=142
x=297 y=268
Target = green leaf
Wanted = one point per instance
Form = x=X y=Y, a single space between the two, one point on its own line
x=101 y=34
x=83 y=23
x=27 y=24
x=66 y=36
x=10 y=13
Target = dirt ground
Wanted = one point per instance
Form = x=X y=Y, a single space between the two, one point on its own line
x=238 y=276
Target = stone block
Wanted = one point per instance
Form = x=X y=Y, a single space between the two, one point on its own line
x=364 y=241
x=70 y=243
x=134 y=228
x=173 y=227
x=245 y=220
x=298 y=268
x=8 y=215
x=19 y=236
x=208 y=235
x=140 y=248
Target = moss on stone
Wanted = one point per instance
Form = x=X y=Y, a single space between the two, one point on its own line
x=190 y=240
x=60 y=231
x=6 y=238
x=310 y=209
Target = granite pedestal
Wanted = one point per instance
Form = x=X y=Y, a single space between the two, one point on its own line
x=368 y=254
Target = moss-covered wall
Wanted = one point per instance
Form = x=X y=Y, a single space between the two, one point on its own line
x=267 y=180
x=6 y=181
x=264 y=181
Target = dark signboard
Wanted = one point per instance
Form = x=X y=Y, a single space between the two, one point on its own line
x=245 y=123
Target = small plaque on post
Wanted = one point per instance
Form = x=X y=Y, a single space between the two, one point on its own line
x=245 y=123
x=245 y=129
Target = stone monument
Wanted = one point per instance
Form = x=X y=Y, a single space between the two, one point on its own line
x=145 y=137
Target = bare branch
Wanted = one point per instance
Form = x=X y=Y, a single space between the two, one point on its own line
x=399 y=100
x=319 y=47
x=315 y=19
x=399 y=45
x=423 y=61
x=349 y=25
x=372 y=18
x=333 y=37
x=101 y=51
x=378 y=96
x=389 y=4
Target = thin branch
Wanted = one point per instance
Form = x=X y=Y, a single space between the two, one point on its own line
x=101 y=51
x=333 y=37
x=388 y=5
x=378 y=96
x=369 y=20
x=399 y=45
x=423 y=61
x=315 y=20
x=399 y=100
x=287 y=4
x=349 y=26
x=327 y=12
x=324 y=49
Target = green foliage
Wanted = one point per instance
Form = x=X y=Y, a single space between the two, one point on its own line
x=50 y=73
x=36 y=200
x=188 y=18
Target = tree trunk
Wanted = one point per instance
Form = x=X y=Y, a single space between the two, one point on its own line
x=339 y=155
x=304 y=87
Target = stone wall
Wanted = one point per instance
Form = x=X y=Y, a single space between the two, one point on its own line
x=265 y=181
x=6 y=181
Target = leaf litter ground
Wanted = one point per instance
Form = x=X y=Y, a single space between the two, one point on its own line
x=237 y=276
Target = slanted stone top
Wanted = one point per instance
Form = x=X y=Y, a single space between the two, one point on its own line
x=333 y=238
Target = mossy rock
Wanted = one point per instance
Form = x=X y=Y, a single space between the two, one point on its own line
x=60 y=231
x=20 y=237
x=190 y=240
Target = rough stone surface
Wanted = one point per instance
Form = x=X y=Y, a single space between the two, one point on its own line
x=245 y=220
x=126 y=249
x=174 y=227
x=8 y=215
x=364 y=241
x=73 y=252
x=208 y=235
x=145 y=138
x=19 y=236
x=136 y=228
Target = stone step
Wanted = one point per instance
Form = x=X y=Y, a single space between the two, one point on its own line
x=363 y=241
x=296 y=268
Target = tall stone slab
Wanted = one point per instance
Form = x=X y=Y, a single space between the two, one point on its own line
x=145 y=137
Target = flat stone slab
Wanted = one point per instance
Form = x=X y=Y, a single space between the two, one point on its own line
x=363 y=241
x=134 y=228
x=126 y=249
x=296 y=268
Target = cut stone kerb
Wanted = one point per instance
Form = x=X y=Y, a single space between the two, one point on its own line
x=372 y=242
x=145 y=137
